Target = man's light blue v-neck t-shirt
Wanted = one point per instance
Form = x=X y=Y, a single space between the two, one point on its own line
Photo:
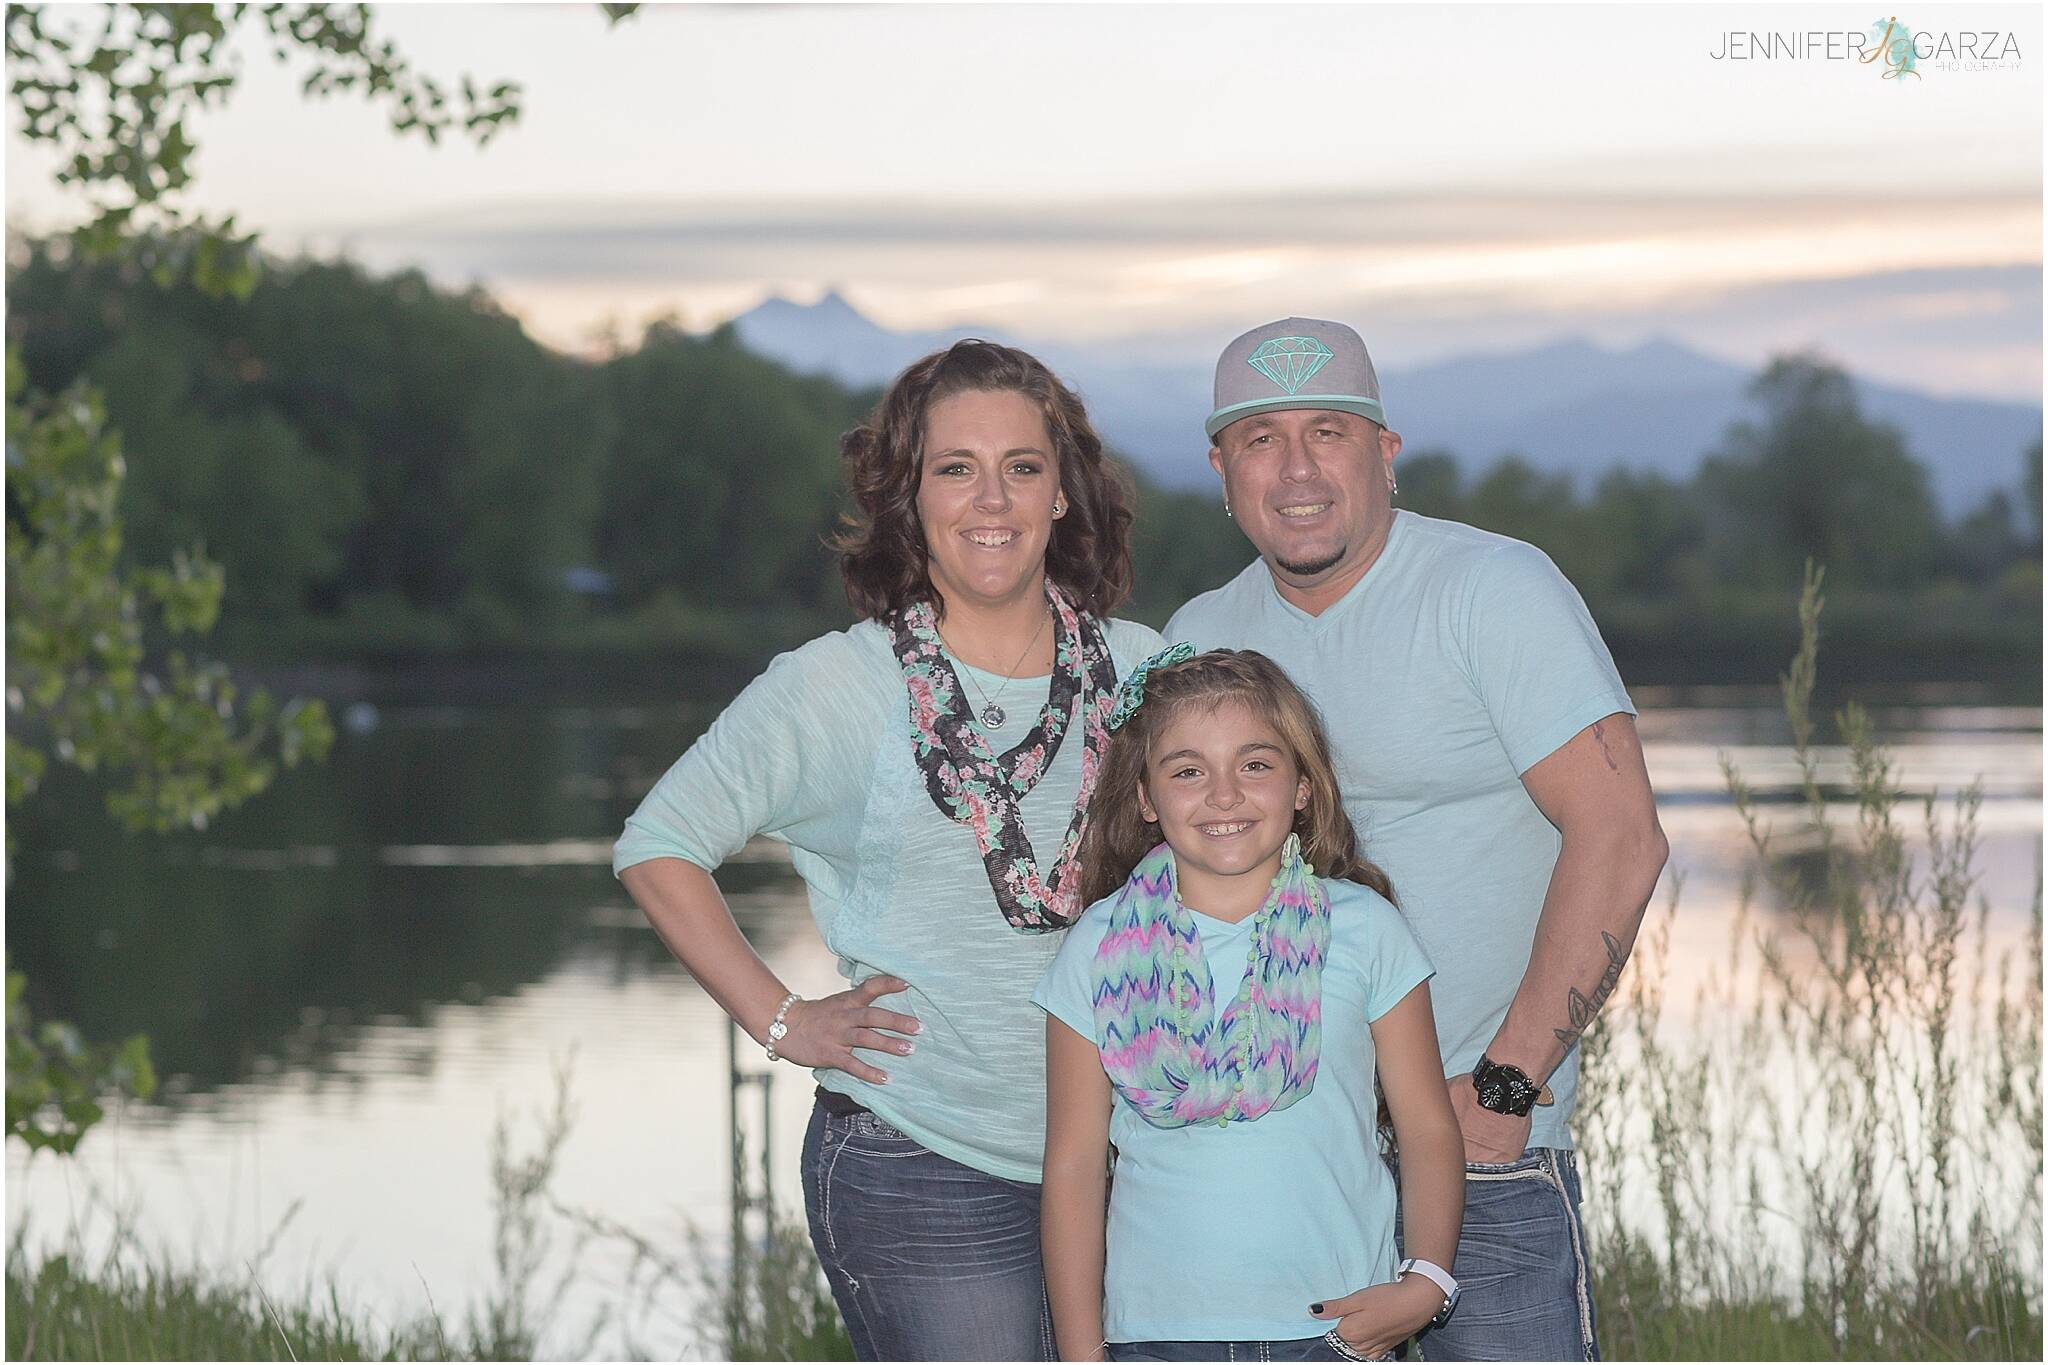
x=816 y=752
x=1457 y=663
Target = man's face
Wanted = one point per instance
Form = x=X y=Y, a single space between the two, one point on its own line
x=1309 y=487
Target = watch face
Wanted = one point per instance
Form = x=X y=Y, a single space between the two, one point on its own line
x=1504 y=1089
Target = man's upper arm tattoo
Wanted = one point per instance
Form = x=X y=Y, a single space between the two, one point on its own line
x=1580 y=1007
x=1600 y=738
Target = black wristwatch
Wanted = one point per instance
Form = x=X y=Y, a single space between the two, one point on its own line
x=1505 y=1089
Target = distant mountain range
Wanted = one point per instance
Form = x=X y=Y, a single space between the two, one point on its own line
x=1571 y=406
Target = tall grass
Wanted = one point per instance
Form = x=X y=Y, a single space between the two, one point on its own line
x=1843 y=1159
x=129 y=1302
x=763 y=1298
x=65 y=1308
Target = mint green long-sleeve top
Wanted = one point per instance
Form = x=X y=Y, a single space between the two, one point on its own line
x=816 y=752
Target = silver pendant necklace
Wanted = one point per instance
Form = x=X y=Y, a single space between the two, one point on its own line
x=993 y=715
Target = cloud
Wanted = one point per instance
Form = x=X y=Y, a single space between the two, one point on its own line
x=543 y=236
x=1942 y=289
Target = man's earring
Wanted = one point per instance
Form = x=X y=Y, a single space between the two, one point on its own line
x=1226 y=507
x=1393 y=483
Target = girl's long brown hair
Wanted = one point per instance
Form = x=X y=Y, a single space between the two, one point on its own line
x=1119 y=835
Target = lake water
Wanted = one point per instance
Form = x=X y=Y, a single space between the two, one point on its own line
x=349 y=983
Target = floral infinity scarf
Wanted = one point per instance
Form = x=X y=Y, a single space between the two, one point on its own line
x=1164 y=1049
x=970 y=784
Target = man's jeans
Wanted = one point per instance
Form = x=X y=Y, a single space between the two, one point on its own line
x=1325 y=1347
x=1526 y=1292
x=928 y=1259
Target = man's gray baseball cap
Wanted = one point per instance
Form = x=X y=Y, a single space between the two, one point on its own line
x=1295 y=363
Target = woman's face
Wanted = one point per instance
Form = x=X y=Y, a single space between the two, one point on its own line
x=986 y=495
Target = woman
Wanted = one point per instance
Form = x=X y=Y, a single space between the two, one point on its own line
x=930 y=769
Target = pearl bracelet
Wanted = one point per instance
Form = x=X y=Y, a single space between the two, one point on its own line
x=778 y=1030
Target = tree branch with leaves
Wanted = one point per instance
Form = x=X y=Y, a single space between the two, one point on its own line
x=93 y=678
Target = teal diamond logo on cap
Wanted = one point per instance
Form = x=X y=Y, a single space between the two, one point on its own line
x=1289 y=362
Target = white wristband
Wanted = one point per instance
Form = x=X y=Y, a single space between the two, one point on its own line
x=1430 y=1270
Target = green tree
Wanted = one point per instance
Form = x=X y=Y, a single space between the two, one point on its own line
x=1647 y=534
x=175 y=744
x=111 y=88
x=333 y=436
x=723 y=471
x=1181 y=546
x=476 y=451
x=2030 y=492
x=1817 y=480
x=1983 y=544
x=56 y=1081
x=1516 y=499
x=1431 y=484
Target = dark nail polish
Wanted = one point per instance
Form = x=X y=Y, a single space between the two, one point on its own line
x=1315 y=1308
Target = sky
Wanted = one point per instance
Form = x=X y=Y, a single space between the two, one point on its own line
x=1449 y=178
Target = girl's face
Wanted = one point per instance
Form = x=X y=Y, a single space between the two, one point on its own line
x=986 y=495
x=1224 y=787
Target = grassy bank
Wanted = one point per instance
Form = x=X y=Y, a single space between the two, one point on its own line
x=1840 y=1157
x=1643 y=1316
x=65 y=1309
x=126 y=1301
x=132 y=1304
x=60 y=1309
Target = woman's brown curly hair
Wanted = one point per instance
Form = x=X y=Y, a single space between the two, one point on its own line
x=882 y=553
x=1119 y=835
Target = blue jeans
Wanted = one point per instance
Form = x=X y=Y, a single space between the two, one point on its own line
x=1526 y=1292
x=928 y=1259
x=1308 y=1348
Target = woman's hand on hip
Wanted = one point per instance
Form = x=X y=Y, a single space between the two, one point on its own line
x=825 y=1032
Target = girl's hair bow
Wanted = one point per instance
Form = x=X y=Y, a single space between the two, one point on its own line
x=1131 y=695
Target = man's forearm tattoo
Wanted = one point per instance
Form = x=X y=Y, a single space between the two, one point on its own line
x=1582 y=1007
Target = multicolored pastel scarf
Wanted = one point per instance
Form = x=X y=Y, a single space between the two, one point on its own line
x=1163 y=1047
x=969 y=783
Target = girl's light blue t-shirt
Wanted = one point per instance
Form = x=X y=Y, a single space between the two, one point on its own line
x=816 y=752
x=1228 y=1232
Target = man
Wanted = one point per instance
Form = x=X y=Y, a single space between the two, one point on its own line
x=1490 y=763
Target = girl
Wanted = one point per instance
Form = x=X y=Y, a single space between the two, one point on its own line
x=1251 y=1207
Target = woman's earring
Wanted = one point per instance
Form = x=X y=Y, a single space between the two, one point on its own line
x=1059 y=507
x=1226 y=508
x=1393 y=483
